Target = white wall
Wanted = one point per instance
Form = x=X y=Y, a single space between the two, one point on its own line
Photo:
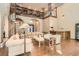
x=48 y=23
x=53 y=23
x=4 y=12
x=68 y=16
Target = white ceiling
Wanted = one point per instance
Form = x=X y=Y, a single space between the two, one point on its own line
x=38 y=6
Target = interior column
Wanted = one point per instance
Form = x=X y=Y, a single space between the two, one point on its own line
x=0 y=27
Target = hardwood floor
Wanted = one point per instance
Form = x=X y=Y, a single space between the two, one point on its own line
x=66 y=48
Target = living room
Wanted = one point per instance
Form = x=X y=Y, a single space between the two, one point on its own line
x=45 y=29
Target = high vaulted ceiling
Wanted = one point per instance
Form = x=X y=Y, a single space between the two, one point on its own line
x=39 y=6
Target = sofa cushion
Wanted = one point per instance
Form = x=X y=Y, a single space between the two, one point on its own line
x=38 y=38
x=14 y=42
x=14 y=37
x=17 y=42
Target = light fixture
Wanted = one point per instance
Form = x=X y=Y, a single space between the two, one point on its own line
x=51 y=12
x=31 y=22
x=51 y=8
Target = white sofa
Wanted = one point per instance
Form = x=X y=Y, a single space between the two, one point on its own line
x=16 y=46
x=32 y=34
x=38 y=36
x=39 y=39
x=56 y=37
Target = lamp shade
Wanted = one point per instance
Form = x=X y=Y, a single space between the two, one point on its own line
x=24 y=25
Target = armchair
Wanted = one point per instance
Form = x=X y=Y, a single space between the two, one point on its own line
x=16 y=46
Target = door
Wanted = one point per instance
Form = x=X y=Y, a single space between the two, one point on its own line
x=77 y=31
